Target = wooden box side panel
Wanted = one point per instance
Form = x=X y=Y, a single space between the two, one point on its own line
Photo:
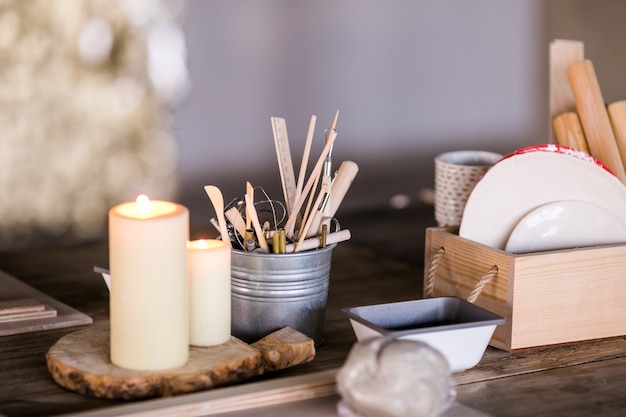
x=460 y=268
x=568 y=296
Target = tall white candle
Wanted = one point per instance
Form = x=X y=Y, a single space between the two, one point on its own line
x=149 y=297
x=209 y=292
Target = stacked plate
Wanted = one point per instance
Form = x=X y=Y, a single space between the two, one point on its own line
x=544 y=198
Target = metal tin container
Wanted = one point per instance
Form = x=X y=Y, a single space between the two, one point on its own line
x=458 y=329
x=272 y=291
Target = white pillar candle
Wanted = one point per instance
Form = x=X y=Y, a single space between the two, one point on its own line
x=209 y=292
x=149 y=297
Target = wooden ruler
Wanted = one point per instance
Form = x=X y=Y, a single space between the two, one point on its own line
x=285 y=166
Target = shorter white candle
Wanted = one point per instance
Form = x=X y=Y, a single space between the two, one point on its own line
x=209 y=292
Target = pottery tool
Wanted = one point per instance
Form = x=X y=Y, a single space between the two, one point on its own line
x=302 y=233
x=250 y=192
x=217 y=199
x=305 y=158
x=255 y=223
x=563 y=53
x=234 y=217
x=594 y=116
x=316 y=242
x=285 y=166
x=291 y=221
x=569 y=131
x=327 y=170
x=345 y=176
x=617 y=114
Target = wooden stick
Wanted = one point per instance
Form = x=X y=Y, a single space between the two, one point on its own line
x=594 y=116
x=255 y=223
x=250 y=192
x=316 y=242
x=234 y=217
x=345 y=176
x=563 y=53
x=309 y=220
x=569 y=131
x=305 y=158
x=617 y=114
x=307 y=209
x=291 y=221
x=334 y=122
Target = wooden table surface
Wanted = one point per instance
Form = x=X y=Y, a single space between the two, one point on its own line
x=383 y=262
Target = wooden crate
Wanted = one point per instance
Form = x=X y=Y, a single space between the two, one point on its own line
x=547 y=298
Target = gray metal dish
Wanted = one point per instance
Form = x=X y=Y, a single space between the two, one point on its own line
x=458 y=329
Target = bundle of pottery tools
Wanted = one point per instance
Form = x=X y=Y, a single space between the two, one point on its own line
x=306 y=219
x=580 y=118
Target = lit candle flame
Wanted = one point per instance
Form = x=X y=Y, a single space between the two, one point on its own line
x=202 y=244
x=143 y=204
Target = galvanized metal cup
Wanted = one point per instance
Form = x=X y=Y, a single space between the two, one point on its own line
x=272 y=291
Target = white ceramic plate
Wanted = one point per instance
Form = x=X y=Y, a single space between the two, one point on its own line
x=531 y=178
x=566 y=224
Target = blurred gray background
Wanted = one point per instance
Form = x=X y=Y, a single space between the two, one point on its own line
x=410 y=79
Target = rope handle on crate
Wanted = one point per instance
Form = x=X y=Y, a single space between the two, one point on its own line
x=429 y=286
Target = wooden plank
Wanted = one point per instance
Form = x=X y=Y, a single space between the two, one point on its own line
x=568 y=296
x=20 y=305
x=591 y=389
x=497 y=363
x=562 y=54
x=28 y=315
x=228 y=399
x=12 y=288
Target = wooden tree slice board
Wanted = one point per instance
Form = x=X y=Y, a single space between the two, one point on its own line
x=80 y=362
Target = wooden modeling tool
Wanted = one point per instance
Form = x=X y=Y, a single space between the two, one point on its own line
x=309 y=220
x=217 y=199
x=563 y=53
x=617 y=114
x=569 y=131
x=234 y=217
x=285 y=166
x=255 y=223
x=249 y=192
x=594 y=116
x=316 y=242
x=305 y=158
x=327 y=170
x=291 y=221
x=345 y=176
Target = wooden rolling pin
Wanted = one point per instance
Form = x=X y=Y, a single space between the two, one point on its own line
x=569 y=131
x=617 y=114
x=594 y=116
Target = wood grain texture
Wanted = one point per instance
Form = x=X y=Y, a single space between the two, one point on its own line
x=569 y=131
x=547 y=298
x=81 y=362
x=383 y=262
x=617 y=115
x=594 y=117
x=562 y=54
